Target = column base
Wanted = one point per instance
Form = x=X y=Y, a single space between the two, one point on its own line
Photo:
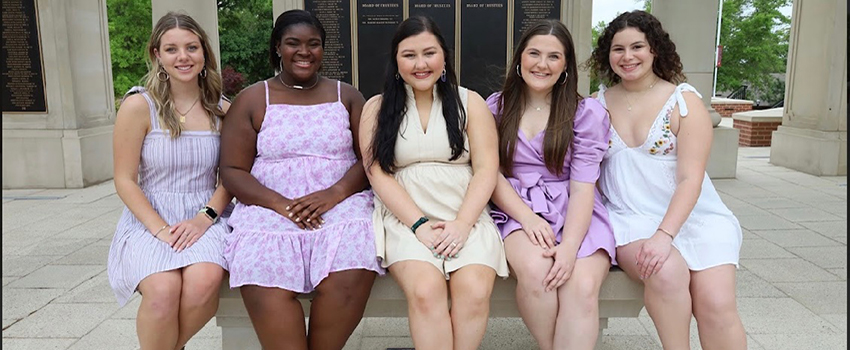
x=723 y=160
x=820 y=153
x=57 y=158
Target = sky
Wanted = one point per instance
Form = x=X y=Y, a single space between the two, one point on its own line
x=606 y=10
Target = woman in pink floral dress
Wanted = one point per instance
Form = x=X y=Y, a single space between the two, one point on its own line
x=304 y=218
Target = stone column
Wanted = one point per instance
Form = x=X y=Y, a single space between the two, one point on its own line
x=692 y=25
x=577 y=16
x=281 y=6
x=70 y=145
x=813 y=134
x=205 y=12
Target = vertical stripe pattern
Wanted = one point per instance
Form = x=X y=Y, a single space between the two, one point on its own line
x=178 y=176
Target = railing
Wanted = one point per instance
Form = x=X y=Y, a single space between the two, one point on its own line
x=739 y=94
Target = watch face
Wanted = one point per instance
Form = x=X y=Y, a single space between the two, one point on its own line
x=210 y=212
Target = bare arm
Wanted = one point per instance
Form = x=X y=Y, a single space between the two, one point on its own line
x=694 y=142
x=483 y=153
x=220 y=198
x=131 y=125
x=392 y=195
x=694 y=138
x=239 y=148
x=579 y=212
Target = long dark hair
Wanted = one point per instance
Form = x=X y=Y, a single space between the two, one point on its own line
x=667 y=65
x=394 y=98
x=559 y=128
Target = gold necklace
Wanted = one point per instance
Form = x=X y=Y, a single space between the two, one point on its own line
x=629 y=101
x=538 y=108
x=298 y=87
x=183 y=115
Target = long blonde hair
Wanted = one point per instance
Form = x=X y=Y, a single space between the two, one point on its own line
x=159 y=90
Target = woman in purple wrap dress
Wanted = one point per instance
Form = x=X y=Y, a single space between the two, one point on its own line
x=558 y=240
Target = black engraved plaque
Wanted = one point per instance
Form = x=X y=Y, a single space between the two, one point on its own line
x=377 y=21
x=527 y=12
x=335 y=16
x=441 y=11
x=483 y=44
x=22 y=76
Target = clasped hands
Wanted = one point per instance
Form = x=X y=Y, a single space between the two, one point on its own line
x=540 y=233
x=184 y=234
x=307 y=211
x=445 y=239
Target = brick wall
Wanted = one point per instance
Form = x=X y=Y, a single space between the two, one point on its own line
x=755 y=134
x=726 y=109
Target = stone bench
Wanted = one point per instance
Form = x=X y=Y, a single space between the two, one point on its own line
x=619 y=297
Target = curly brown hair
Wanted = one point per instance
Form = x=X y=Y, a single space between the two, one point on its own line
x=667 y=65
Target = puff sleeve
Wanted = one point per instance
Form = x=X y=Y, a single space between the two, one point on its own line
x=494 y=102
x=590 y=141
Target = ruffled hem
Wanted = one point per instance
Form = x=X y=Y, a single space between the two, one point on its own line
x=299 y=260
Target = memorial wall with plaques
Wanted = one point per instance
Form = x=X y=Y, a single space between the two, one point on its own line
x=22 y=74
x=480 y=32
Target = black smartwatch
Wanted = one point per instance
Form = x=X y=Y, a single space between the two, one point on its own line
x=210 y=213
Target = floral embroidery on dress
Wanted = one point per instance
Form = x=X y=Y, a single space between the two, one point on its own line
x=665 y=139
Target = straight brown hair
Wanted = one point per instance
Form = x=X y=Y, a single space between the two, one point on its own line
x=559 y=128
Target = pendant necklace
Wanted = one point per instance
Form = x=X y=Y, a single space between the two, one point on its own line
x=296 y=86
x=183 y=115
x=629 y=101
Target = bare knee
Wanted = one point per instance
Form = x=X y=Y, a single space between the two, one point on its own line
x=715 y=309
x=161 y=300
x=530 y=275
x=473 y=295
x=582 y=292
x=670 y=281
x=200 y=287
x=428 y=298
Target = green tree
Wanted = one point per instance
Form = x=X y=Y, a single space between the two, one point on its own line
x=754 y=35
x=244 y=28
x=594 y=34
x=129 y=30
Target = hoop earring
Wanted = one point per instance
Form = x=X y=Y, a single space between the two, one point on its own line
x=443 y=76
x=203 y=73
x=161 y=73
x=565 y=77
x=396 y=76
x=517 y=71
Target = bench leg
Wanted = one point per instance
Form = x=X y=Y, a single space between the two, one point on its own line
x=603 y=323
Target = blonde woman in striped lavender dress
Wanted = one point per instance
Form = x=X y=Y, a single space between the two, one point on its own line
x=169 y=241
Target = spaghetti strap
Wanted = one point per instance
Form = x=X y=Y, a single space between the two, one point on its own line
x=266 y=84
x=601 y=94
x=152 y=108
x=683 y=107
x=338 y=92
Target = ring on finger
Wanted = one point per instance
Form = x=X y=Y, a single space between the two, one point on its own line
x=454 y=244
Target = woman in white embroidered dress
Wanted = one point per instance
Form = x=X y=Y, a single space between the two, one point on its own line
x=672 y=230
